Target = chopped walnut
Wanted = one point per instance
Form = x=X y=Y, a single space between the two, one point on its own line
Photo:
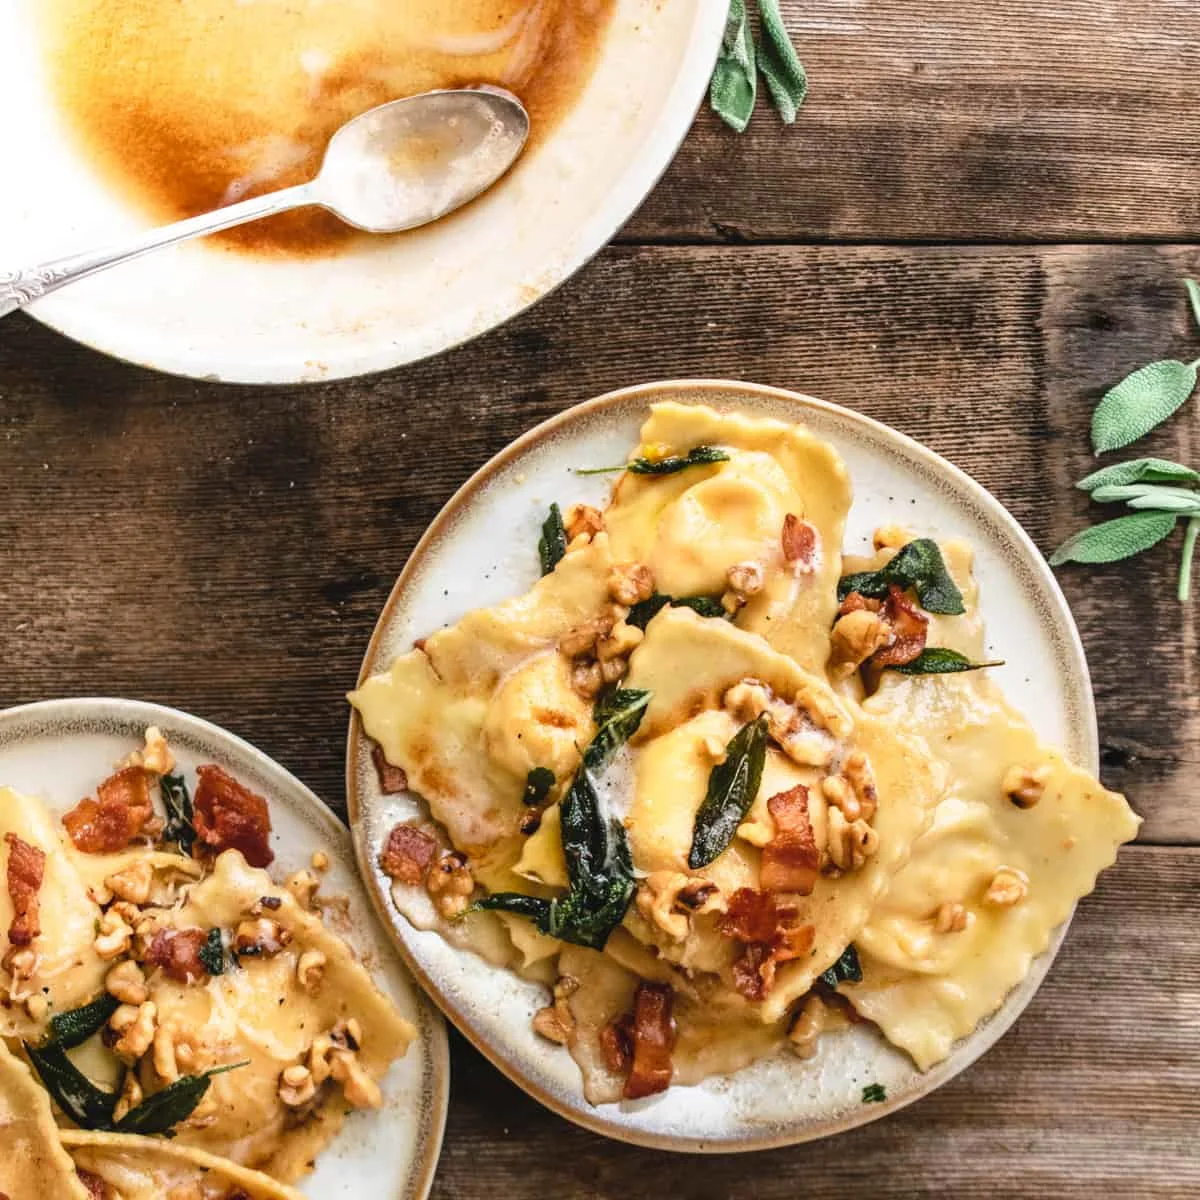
x=131 y=1096
x=951 y=917
x=296 y=1086
x=310 y=971
x=450 y=883
x=583 y=521
x=133 y=883
x=587 y=679
x=581 y=641
x=176 y=1051
x=126 y=982
x=156 y=757
x=114 y=936
x=260 y=937
x=1024 y=786
x=848 y=843
x=620 y=643
x=612 y=669
x=891 y=537
x=320 y=861
x=857 y=769
x=304 y=886
x=630 y=582
x=854 y=638
x=747 y=700
x=797 y=728
x=555 y=1022
x=1009 y=886
x=360 y=1090
x=807 y=1027
x=136 y=1028
x=840 y=795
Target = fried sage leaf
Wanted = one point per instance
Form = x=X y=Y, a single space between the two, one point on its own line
x=698 y=456
x=732 y=787
x=935 y=660
x=161 y=1112
x=179 y=827
x=212 y=953
x=71 y=1029
x=552 y=545
x=87 y=1105
x=847 y=969
x=538 y=783
x=644 y=611
x=919 y=566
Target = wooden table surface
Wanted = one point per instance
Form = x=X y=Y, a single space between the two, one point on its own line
x=981 y=221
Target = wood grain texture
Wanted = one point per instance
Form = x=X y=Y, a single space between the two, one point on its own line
x=1095 y=1092
x=998 y=121
x=228 y=549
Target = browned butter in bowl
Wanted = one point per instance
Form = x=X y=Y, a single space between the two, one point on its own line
x=187 y=105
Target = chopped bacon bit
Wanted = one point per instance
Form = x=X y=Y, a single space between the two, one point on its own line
x=616 y=1044
x=769 y=935
x=857 y=602
x=408 y=854
x=96 y=1187
x=799 y=541
x=231 y=817
x=653 y=1036
x=116 y=817
x=177 y=951
x=790 y=860
x=392 y=780
x=26 y=869
x=909 y=626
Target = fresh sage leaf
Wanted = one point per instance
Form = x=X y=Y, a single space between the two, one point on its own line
x=1191 y=534
x=938 y=661
x=552 y=545
x=734 y=87
x=538 y=783
x=732 y=787
x=87 y=1105
x=1140 y=402
x=780 y=65
x=179 y=827
x=161 y=1112
x=644 y=611
x=1156 y=496
x=1115 y=540
x=1193 y=291
x=212 y=953
x=71 y=1029
x=1139 y=470
x=847 y=969
x=919 y=567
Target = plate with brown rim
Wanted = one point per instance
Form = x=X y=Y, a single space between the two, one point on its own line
x=459 y=565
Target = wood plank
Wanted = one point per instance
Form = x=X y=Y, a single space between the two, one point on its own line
x=1095 y=1091
x=228 y=549
x=1000 y=121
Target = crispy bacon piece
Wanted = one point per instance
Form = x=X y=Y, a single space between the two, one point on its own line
x=857 y=602
x=641 y=1042
x=909 y=626
x=96 y=1188
x=408 y=854
x=111 y=821
x=26 y=869
x=231 y=817
x=799 y=541
x=177 y=952
x=392 y=780
x=790 y=860
x=769 y=934
x=616 y=1044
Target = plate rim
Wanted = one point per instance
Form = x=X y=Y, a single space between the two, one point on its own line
x=675 y=123
x=75 y=712
x=590 y=1117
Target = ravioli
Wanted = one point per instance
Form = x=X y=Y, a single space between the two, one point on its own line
x=926 y=987
x=68 y=970
x=691 y=527
x=260 y=1014
x=32 y=1160
x=139 y=1168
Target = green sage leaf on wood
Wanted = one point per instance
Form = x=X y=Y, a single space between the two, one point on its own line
x=1139 y=470
x=1140 y=402
x=936 y=660
x=87 y=1105
x=734 y=87
x=552 y=545
x=1190 y=537
x=780 y=64
x=71 y=1029
x=1155 y=496
x=1115 y=540
x=161 y=1112
x=919 y=566
x=1193 y=291
x=732 y=787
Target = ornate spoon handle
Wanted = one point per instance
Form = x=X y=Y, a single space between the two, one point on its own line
x=19 y=288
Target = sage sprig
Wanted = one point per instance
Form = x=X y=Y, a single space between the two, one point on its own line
x=733 y=92
x=89 y=1106
x=732 y=786
x=937 y=660
x=672 y=464
x=161 y=1112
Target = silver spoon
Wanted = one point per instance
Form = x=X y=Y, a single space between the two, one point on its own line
x=395 y=167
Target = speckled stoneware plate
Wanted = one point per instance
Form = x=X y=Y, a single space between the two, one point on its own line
x=199 y=310
x=59 y=749
x=462 y=563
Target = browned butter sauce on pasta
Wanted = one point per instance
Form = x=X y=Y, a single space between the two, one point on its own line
x=185 y=105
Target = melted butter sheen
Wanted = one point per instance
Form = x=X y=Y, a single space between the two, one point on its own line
x=186 y=105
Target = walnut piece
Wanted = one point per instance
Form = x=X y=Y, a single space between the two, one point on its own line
x=136 y=1027
x=310 y=971
x=133 y=883
x=1024 y=785
x=1009 y=886
x=630 y=582
x=849 y=843
x=587 y=679
x=951 y=917
x=450 y=883
x=583 y=521
x=114 y=937
x=854 y=638
x=807 y=1027
x=126 y=982
x=296 y=1086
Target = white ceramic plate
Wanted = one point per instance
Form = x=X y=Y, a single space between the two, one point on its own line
x=199 y=311
x=463 y=563
x=59 y=750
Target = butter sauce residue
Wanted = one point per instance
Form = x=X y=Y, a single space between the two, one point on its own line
x=184 y=107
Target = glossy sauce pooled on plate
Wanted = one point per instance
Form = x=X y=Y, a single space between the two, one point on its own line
x=188 y=106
